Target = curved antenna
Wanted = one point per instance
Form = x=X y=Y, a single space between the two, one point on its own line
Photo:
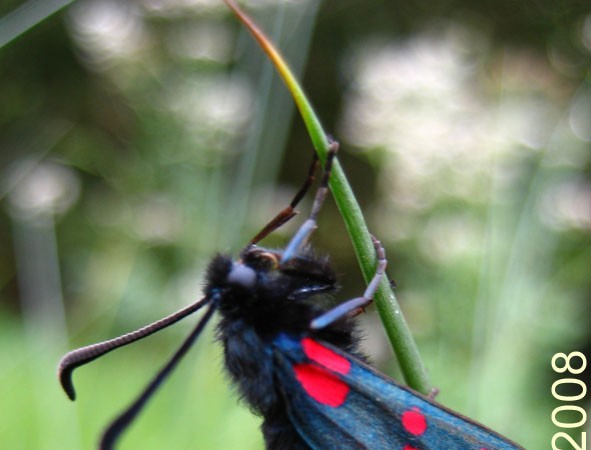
x=84 y=355
x=120 y=424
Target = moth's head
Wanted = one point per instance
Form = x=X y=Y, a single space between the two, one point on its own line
x=260 y=279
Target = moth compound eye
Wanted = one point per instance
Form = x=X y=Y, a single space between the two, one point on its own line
x=269 y=260
x=260 y=260
x=242 y=275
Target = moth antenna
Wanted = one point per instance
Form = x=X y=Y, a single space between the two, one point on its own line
x=308 y=227
x=120 y=424
x=84 y=355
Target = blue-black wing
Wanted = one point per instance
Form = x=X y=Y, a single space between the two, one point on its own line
x=336 y=401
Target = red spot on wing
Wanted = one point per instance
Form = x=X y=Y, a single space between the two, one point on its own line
x=409 y=447
x=414 y=421
x=321 y=385
x=325 y=356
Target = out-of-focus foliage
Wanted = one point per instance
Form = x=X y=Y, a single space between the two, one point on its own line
x=139 y=138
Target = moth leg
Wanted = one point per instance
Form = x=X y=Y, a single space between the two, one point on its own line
x=434 y=392
x=357 y=305
x=308 y=227
x=288 y=212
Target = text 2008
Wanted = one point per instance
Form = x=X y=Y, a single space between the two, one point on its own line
x=572 y=364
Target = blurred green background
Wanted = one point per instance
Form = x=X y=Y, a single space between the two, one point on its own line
x=140 y=137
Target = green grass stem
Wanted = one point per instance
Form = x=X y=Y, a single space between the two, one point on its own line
x=396 y=327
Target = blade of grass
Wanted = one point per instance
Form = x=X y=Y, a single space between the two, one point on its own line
x=27 y=16
x=397 y=330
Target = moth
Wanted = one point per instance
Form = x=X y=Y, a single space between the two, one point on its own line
x=296 y=360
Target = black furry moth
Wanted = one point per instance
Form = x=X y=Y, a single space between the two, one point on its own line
x=296 y=360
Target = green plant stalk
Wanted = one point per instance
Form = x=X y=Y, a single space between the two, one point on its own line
x=396 y=327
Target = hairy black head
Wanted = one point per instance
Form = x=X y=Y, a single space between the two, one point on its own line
x=266 y=293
